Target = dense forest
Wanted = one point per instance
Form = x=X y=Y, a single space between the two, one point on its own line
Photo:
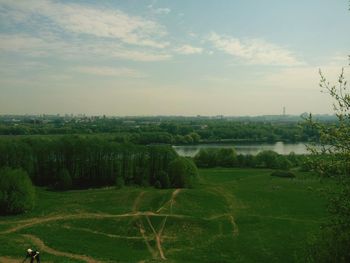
x=169 y=130
x=92 y=162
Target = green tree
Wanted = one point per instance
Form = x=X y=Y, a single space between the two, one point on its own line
x=334 y=160
x=267 y=159
x=17 y=194
x=206 y=157
x=226 y=157
x=63 y=180
x=183 y=173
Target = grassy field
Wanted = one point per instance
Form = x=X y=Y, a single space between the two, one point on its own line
x=234 y=215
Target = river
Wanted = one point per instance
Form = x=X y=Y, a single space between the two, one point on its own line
x=253 y=149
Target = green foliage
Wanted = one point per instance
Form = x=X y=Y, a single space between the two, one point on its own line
x=63 y=180
x=264 y=209
x=267 y=159
x=212 y=157
x=283 y=174
x=206 y=158
x=17 y=194
x=283 y=163
x=183 y=173
x=119 y=182
x=157 y=185
x=333 y=160
x=164 y=180
x=88 y=161
x=226 y=157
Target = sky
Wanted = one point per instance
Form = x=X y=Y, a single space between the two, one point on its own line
x=171 y=57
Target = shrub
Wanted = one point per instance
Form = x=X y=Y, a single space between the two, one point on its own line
x=282 y=163
x=183 y=173
x=206 y=158
x=283 y=174
x=63 y=180
x=267 y=159
x=164 y=180
x=157 y=185
x=17 y=194
x=119 y=182
x=226 y=157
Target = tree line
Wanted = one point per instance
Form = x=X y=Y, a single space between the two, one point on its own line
x=227 y=157
x=91 y=161
x=171 y=131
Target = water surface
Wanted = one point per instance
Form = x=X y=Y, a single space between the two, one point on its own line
x=253 y=149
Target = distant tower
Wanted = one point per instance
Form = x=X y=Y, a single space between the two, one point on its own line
x=284 y=111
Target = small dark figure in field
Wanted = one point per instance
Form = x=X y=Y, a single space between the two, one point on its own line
x=33 y=255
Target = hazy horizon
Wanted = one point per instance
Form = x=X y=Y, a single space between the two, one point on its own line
x=170 y=58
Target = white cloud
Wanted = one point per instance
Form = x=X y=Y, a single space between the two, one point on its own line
x=159 y=10
x=162 y=11
x=140 y=55
x=110 y=71
x=47 y=46
x=23 y=43
x=80 y=19
x=254 y=51
x=188 y=49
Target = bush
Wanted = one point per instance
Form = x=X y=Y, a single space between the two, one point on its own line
x=206 y=158
x=283 y=163
x=226 y=157
x=157 y=185
x=183 y=173
x=283 y=174
x=164 y=180
x=267 y=159
x=17 y=194
x=119 y=182
x=63 y=180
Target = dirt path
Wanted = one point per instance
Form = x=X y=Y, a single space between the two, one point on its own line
x=14 y=260
x=158 y=239
x=103 y=234
x=41 y=245
x=235 y=227
x=41 y=220
x=171 y=201
x=158 y=235
x=230 y=207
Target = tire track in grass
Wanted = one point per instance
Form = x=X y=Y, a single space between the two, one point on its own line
x=158 y=239
x=41 y=220
x=140 y=225
x=41 y=245
x=229 y=201
x=158 y=235
x=170 y=201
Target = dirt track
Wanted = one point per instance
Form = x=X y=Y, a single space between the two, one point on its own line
x=156 y=234
x=41 y=245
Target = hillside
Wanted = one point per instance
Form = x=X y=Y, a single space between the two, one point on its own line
x=234 y=215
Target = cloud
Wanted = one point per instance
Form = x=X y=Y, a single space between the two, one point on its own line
x=188 y=50
x=110 y=72
x=87 y=20
x=48 y=46
x=254 y=51
x=161 y=11
x=21 y=43
x=140 y=55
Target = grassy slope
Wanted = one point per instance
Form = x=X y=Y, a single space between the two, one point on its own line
x=234 y=215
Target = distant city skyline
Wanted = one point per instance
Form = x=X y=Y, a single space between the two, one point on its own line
x=162 y=57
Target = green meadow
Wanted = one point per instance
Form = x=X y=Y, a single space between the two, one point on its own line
x=233 y=215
